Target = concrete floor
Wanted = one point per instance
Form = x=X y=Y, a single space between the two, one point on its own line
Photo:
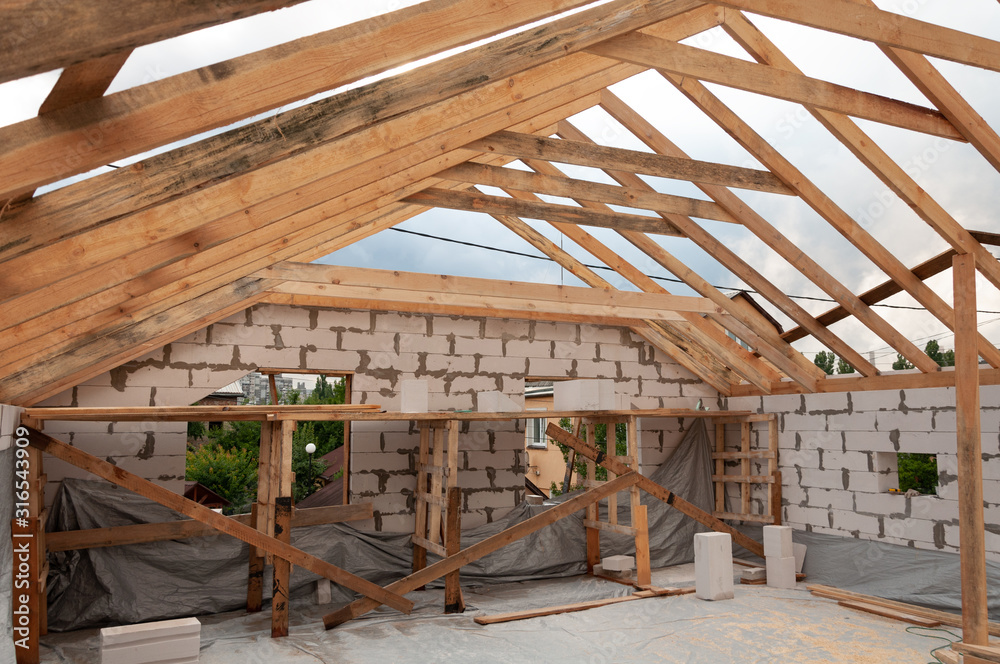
x=760 y=625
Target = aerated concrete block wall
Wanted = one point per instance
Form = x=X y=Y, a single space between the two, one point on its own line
x=459 y=357
x=838 y=460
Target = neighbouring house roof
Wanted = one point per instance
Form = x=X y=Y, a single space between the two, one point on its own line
x=200 y=493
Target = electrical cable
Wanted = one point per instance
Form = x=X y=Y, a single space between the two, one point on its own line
x=948 y=643
x=651 y=276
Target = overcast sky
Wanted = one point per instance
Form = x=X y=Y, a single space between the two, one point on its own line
x=953 y=173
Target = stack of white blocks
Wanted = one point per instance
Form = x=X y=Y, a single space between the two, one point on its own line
x=584 y=394
x=780 y=556
x=173 y=641
x=713 y=566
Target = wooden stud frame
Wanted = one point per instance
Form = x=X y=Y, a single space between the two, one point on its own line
x=747 y=455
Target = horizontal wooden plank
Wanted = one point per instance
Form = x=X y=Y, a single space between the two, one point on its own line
x=752 y=518
x=171 y=530
x=597 y=192
x=633 y=161
x=990 y=653
x=744 y=479
x=576 y=606
x=752 y=454
x=889 y=613
x=896 y=381
x=184 y=414
x=431 y=499
x=610 y=527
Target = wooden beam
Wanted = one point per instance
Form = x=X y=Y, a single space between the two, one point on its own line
x=483 y=548
x=704 y=65
x=393 y=280
x=884 y=167
x=230 y=91
x=911 y=380
x=478 y=202
x=971 y=532
x=599 y=156
x=883 y=28
x=612 y=464
x=147 y=489
x=39 y=36
x=828 y=210
x=83 y=81
x=95 y=538
x=551 y=185
x=577 y=606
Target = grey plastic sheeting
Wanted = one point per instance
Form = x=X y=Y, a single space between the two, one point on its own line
x=6 y=553
x=159 y=580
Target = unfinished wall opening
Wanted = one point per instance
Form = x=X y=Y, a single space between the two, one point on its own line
x=544 y=462
x=225 y=458
x=918 y=471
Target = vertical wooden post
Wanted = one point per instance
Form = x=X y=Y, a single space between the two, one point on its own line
x=453 y=600
x=593 y=510
x=272 y=385
x=745 y=467
x=611 y=449
x=643 y=570
x=282 y=568
x=255 y=579
x=720 y=467
x=420 y=518
x=774 y=495
x=347 y=443
x=970 y=459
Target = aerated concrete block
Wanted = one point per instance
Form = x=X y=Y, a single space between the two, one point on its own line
x=754 y=574
x=413 y=396
x=323 y=593
x=173 y=641
x=713 y=566
x=781 y=572
x=584 y=395
x=618 y=563
x=800 y=556
x=495 y=402
x=778 y=542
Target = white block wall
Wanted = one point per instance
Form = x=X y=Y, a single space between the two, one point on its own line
x=458 y=357
x=831 y=446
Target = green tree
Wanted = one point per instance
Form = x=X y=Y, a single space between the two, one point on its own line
x=844 y=367
x=230 y=473
x=901 y=363
x=600 y=436
x=943 y=358
x=824 y=360
x=918 y=471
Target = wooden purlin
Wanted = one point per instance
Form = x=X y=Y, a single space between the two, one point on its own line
x=229 y=91
x=798 y=259
x=795 y=87
x=840 y=220
x=693 y=327
x=883 y=166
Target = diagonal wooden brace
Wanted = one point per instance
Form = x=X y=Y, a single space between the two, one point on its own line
x=560 y=435
x=484 y=547
x=143 y=487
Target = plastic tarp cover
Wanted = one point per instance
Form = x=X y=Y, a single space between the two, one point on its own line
x=6 y=553
x=160 y=580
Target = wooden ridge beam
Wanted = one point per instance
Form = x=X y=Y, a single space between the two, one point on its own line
x=881 y=27
x=40 y=37
x=478 y=202
x=268 y=413
x=793 y=86
x=225 y=525
x=334 y=277
x=884 y=167
x=551 y=185
x=226 y=92
x=93 y=538
x=613 y=465
x=599 y=156
x=805 y=370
